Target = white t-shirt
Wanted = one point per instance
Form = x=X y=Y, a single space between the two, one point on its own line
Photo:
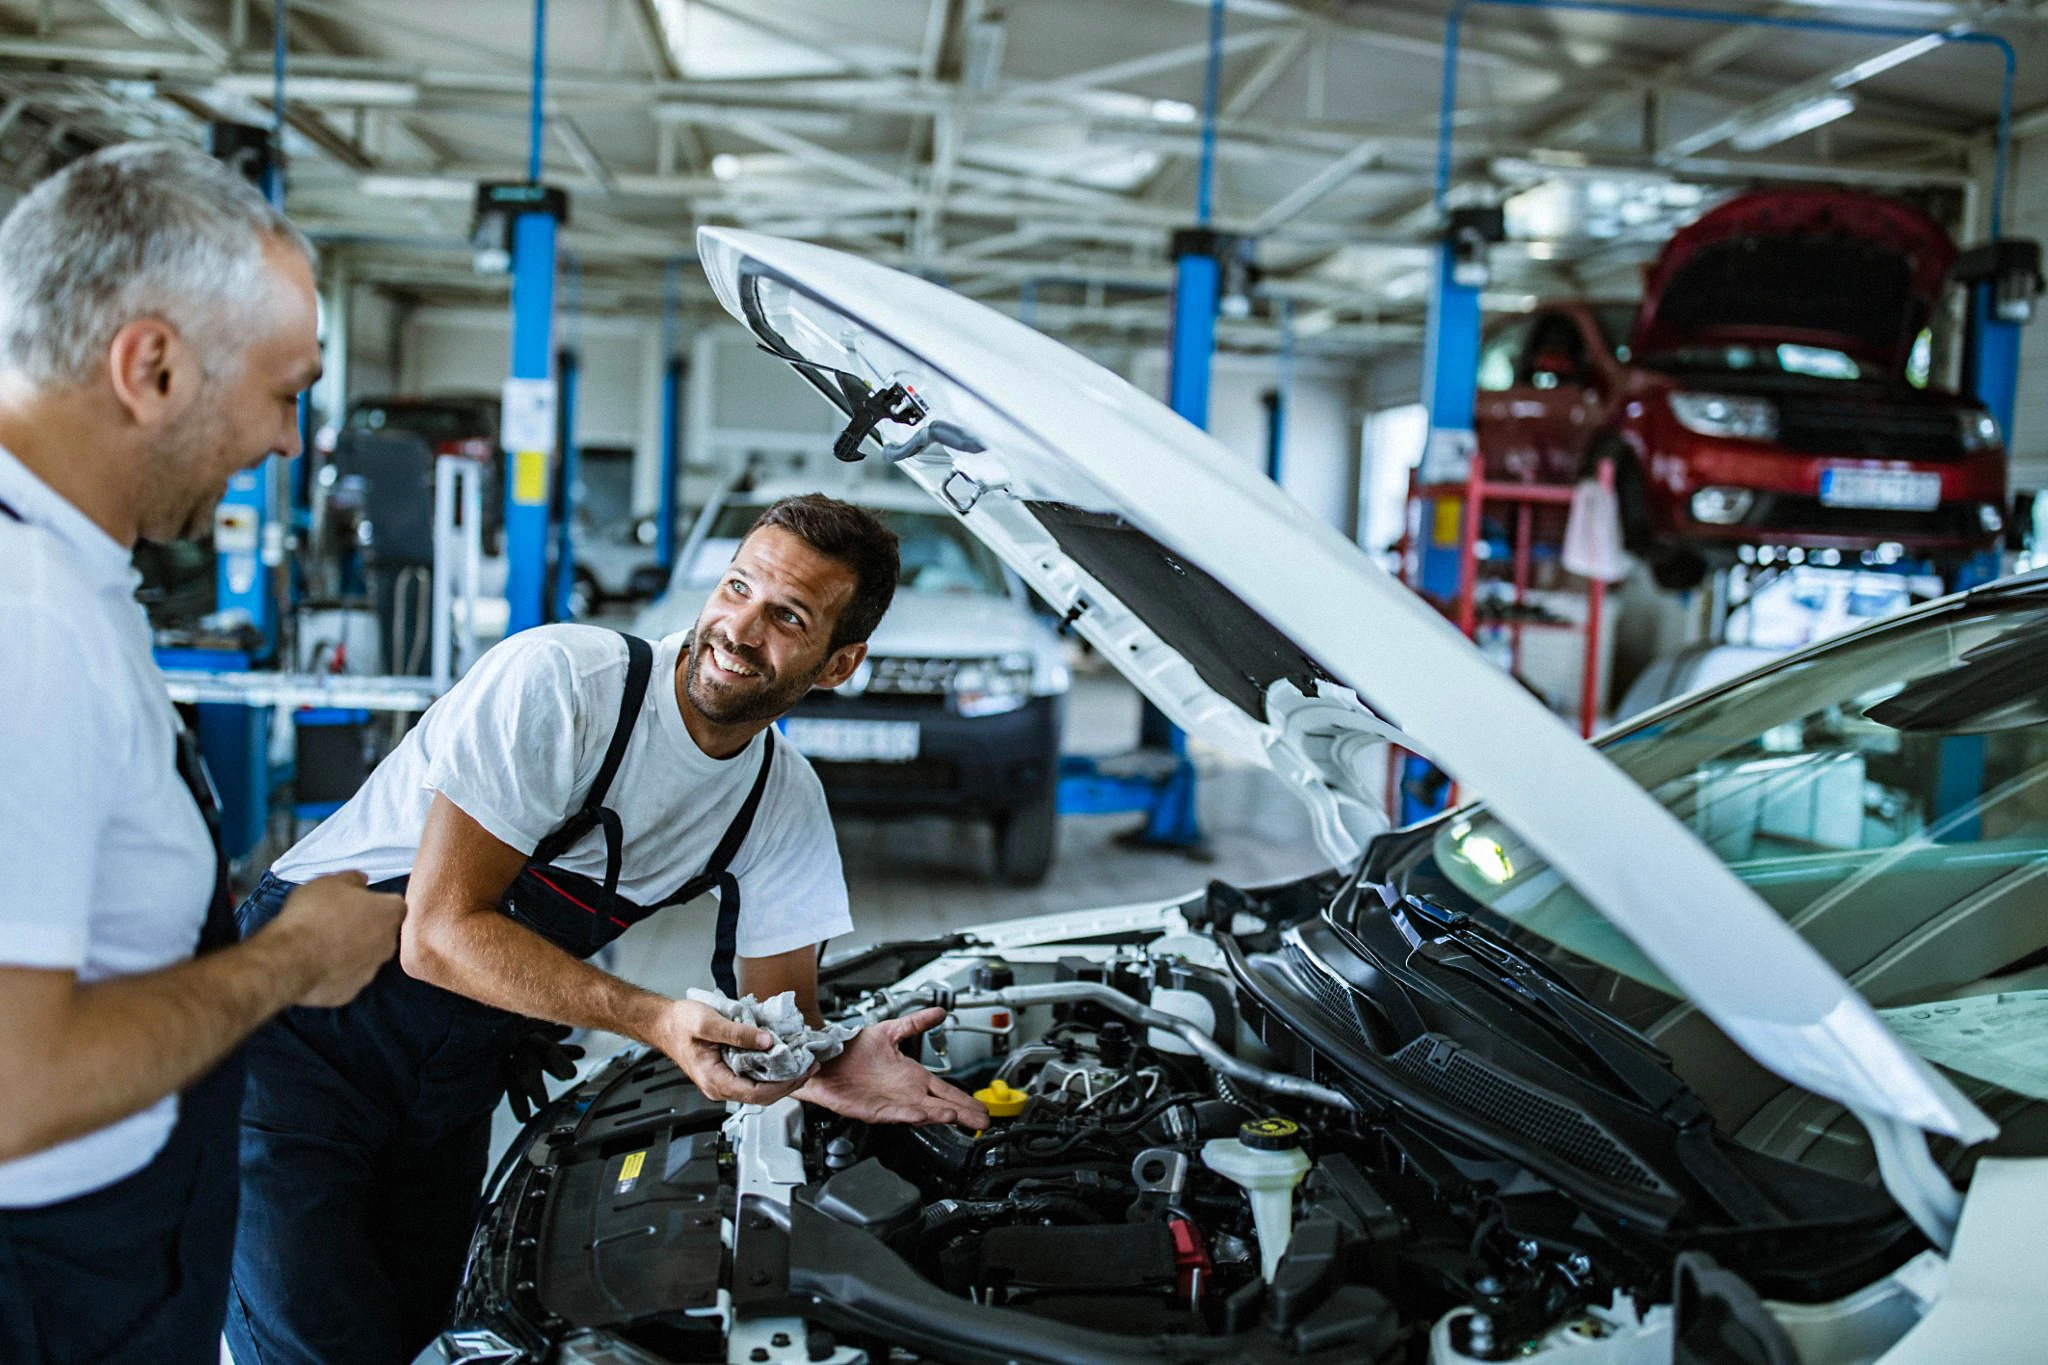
x=113 y=867
x=516 y=745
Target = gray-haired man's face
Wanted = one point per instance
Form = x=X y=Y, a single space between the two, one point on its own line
x=244 y=410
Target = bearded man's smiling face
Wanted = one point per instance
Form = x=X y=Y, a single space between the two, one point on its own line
x=764 y=638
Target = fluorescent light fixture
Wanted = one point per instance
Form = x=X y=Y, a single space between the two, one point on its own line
x=818 y=124
x=1775 y=126
x=1886 y=60
x=417 y=187
x=323 y=90
x=1174 y=111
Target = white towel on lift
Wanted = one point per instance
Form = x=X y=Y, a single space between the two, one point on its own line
x=798 y=1047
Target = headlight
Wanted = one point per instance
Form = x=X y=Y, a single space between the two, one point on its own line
x=1721 y=414
x=989 y=687
x=1722 y=506
x=1988 y=516
x=1979 y=429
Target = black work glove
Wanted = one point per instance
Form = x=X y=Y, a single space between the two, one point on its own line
x=537 y=1052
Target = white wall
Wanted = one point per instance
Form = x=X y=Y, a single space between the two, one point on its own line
x=618 y=400
x=1319 y=458
x=2026 y=215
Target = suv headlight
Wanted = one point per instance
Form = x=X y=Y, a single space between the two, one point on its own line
x=1722 y=414
x=989 y=687
x=1979 y=430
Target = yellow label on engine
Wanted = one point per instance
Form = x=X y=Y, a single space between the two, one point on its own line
x=530 y=476
x=629 y=1170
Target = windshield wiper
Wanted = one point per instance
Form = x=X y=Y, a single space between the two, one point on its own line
x=1524 y=981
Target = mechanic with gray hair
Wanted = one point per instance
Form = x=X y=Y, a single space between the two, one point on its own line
x=157 y=324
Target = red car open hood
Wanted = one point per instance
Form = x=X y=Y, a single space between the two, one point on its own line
x=1845 y=269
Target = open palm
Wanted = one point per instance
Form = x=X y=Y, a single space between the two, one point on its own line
x=874 y=1082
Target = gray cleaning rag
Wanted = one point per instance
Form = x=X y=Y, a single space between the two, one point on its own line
x=798 y=1046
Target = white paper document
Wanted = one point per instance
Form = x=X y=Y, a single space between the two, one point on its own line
x=1998 y=1038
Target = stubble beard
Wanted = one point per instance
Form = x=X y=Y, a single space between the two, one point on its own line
x=182 y=483
x=766 y=698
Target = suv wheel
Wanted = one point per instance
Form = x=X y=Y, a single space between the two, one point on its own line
x=1026 y=839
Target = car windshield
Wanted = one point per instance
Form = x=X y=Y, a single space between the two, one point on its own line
x=1815 y=362
x=939 y=555
x=1889 y=798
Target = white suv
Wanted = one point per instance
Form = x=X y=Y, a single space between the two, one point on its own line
x=957 y=710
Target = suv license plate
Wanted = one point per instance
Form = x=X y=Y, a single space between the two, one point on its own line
x=854 y=741
x=1880 y=488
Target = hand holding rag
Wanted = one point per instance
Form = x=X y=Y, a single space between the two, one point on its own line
x=798 y=1047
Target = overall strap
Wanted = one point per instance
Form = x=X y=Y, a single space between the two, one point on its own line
x=594 y=812
x=219 y=929
x=717 y=873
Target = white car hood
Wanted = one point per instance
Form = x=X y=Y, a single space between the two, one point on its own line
x=1262 y=631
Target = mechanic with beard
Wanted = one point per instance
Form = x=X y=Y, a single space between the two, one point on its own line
x=156 y=330
x=573 y=783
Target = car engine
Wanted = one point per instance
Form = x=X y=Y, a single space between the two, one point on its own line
x=1170 y=1174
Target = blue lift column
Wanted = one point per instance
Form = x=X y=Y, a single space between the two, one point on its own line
x=2004 y=280
x=528 y=423
x=1450 y=385
x=669 y=496
x=568 y=366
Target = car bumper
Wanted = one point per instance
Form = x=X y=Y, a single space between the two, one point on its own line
x=1788 y=509
x=973 y=765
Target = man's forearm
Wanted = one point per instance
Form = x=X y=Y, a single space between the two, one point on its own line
x=488 y=957
x=112 y=1048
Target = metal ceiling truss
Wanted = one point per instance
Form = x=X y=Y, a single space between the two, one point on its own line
x=380 y=144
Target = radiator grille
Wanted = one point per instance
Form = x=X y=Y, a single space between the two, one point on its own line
x=1823 y=426
x=1557 y=1128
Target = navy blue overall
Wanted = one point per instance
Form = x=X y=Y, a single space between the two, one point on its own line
x=366 y=1129
x=136 y=1273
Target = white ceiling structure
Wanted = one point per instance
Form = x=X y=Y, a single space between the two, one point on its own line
x=1033 y=153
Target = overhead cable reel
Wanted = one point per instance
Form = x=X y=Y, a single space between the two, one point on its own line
x=499 y=205
x=1471 y=234
x=2012 y=267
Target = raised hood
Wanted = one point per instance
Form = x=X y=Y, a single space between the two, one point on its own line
x=1845 y=269
x=1260 y=630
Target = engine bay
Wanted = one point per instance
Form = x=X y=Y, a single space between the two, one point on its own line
x=1170 y=1174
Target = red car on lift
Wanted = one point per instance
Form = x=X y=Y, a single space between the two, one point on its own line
x=1760 y=393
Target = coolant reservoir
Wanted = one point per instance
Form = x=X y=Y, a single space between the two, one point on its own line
x=1266 y=1160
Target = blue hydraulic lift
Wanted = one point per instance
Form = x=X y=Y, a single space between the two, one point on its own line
x=1201 y=257
x=669 y=496
x=568 y=369
x=529 y=424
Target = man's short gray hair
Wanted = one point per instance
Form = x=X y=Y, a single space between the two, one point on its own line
x=137 y=230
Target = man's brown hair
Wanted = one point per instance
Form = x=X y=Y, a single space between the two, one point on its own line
x=856 y=538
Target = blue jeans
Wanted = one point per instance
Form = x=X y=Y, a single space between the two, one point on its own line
x=365 y=1136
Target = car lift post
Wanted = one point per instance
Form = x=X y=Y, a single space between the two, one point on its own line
x=529 y=416
x=568 y=366
x=669 y=496
x=1198 y=260
x=1200 y=255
